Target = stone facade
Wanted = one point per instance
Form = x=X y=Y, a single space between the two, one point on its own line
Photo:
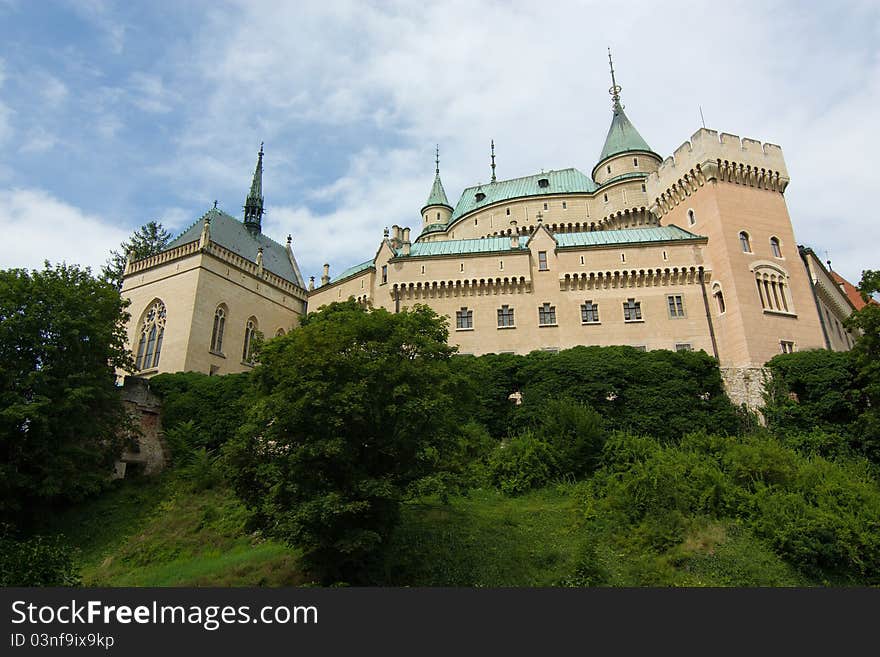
x=146 y=451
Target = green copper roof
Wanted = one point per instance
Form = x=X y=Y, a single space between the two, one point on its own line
x=438 y=194
x=669 y=233
x=351 y=271
x=622 y=137
x=229 y=232
x=564 y=181
x=459 y=247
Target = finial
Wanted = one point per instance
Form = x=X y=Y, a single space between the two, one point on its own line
x=385 y=232
x=437 y=160
x=615 y=88
x=289 y=238
x=261 y=148
x=215 y=204
x=493 y=160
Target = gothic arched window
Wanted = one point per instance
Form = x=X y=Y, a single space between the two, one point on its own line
x=217 y=333
x=250 y=333
x=719 y=299
x=744 y=242
x=774 y=247
x=151 y=333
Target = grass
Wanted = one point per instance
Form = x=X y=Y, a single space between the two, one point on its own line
x=159 y=532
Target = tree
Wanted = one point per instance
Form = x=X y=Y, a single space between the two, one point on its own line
x=149 y=239
x=62 y=334
x=866 y=324
x=353 y=406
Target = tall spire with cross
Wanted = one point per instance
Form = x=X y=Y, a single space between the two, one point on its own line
x=493 y=161
x=253 y=206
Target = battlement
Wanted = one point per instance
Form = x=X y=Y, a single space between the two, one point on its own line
x=710 y=156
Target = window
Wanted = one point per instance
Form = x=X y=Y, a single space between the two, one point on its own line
x=542 y=261
x=644 y=189
x=501 y=265
x=665 y=256
x=639 y=347
x=683 y=346
x=476 y=222
x=217 y=333
x=692 y=218
x=773 y=292
x=608 y=168
x=635 y=161
x=152 y=332
x=744 y=242
x=279 y=333
x=508 y=212
x=774 y=247
x=545 y=206
x=438 y=217
x=719 y=300
x=479 y=196
x=384 y=274
x=623 y=257
x=589 y=312
x=505 y=317
x=461 y=266
x=632 y=311
x=787 y=346
x=250 y=334
x=547 y=315
x=605 y=197
x=676 y=305
x=464 y=319
x=564 y=205
x=543 y=182
x=582 y=259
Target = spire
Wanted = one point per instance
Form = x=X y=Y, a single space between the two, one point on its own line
x=622 y=135
x=493 y=161
x=615 y=88
x=253 y=206
x=438 y=194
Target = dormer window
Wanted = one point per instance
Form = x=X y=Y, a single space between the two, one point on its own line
x=479 y=196
x=543 y=182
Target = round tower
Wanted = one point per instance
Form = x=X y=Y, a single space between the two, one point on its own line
x=436 y=211
x=625 y=151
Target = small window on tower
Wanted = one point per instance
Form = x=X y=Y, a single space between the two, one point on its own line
x=479 y=196
x=643 y=188
x=692 y=219
x=438 y=217
x=774 y=246
x=605 y=197
x=608 y=168
x=635 y=161
x=543 y=182
x=545 y=206
x=564 y=205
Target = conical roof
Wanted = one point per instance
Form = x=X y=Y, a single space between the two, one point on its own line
x=438 y=194
x=622 y=137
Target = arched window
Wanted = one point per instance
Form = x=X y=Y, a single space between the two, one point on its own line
x=151 y=334
x=250 y=334
x=692 y=219
x=279 y=333
x=774 y=247
x=217 y=333
x=744 y=242
x=719 y=299
x=772 y=284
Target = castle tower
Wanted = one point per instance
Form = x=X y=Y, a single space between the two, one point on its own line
x=625 y=151
x=436 y=211
x=758 y=299
x=253 y=205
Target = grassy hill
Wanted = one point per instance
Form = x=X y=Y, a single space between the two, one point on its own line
x=159 y=533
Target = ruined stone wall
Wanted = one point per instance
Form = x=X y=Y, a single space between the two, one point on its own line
x=146 y=450
x=745 y=385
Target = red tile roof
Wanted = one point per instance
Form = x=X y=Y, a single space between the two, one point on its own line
x=851 y=291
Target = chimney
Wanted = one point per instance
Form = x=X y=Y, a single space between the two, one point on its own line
x=406 y=234
x=395 y=236
x=326 y=277
x=405 y=244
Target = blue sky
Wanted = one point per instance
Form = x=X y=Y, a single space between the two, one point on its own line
x=115 y=113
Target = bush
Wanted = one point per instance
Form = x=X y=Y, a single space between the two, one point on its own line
x=521 y=464
x=576 y=433
x=35 y=561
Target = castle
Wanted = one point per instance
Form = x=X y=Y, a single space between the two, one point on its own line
x=692 y=252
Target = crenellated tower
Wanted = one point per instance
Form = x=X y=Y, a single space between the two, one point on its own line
x=732 y=191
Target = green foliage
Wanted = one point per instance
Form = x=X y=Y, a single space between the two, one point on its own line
x=35 y=561
x=866 y=324
x=62 y=334
x=149 y=239
x=817 y=515
x=353 y=407
x=576 y=433
x=214 y=406
x=522 y=463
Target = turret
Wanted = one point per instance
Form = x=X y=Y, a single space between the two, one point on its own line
x=436 y=211
x=625 y=151
x=253 y=206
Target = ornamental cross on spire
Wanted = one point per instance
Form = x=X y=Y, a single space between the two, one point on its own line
x=493 y=160
x=437 y=160
x=615 y=88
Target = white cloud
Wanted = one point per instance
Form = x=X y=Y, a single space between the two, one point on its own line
x=148 y=93
x=37 y=226
x=39 y=140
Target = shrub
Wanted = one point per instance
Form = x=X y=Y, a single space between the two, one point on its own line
x=576 y=433
x=521 y=464
x=35 y=561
